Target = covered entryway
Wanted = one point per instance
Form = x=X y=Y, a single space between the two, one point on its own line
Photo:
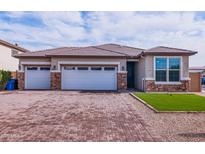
x=89 y=78
x=37 y=77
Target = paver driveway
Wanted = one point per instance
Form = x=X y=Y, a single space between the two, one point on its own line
x=70 y=116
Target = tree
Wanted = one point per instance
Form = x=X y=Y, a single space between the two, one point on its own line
x=4 y=77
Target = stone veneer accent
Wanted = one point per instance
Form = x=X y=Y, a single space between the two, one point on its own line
x=20 y=78
x=55 y=80
x=150 y=86
x=122 y=80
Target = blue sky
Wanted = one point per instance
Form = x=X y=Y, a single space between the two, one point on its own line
x=40 y=30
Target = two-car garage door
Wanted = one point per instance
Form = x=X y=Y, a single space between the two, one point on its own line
x=89 y=78
x=73 y=77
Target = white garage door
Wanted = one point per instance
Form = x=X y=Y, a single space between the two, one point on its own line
x=89 y=78
x=37 y=77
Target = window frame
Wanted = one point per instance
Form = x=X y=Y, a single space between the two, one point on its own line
x=32 y=68
x=69 y=68
x=44 y=68
x=109 y=68
x=161 y=69
x=168 y=69
x=96 y=68
x=83 y=68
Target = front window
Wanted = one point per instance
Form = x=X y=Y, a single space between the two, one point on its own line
x=167 y=69
x=174 y=69
x=161 y=69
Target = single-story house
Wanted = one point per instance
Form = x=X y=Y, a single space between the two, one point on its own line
x=106 y=67
x=197 y=74
x=7 y=61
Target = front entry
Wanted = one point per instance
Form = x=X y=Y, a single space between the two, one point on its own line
x=130 y=74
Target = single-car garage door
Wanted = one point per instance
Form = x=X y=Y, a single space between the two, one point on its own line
x=37 y=77
x=89 y=78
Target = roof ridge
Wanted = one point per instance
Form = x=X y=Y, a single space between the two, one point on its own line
x=110 y=51
x=120 y=45
x=132 y=47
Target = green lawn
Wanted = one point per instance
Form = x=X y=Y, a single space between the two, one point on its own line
x=174 y=102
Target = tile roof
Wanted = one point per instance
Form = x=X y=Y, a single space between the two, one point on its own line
x=168 y=50
x=43 y=53
x=7 y=44
x=106 y=50
x=126 y=50
x=87 y=51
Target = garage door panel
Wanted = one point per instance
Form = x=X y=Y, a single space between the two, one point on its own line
x=89 y=80
x=37 y=79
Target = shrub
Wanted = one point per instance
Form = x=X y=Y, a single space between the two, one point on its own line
x=4 y=77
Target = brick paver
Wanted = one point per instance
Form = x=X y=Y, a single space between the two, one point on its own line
x=71 y=116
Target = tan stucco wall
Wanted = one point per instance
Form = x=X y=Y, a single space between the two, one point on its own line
x=139 y=73
x=185 y=63
x=7 y=62
x=149 y=67
x=54 y=61
x=34 y=60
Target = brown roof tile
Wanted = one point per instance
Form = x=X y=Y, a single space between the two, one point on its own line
x=43 y=53
x=126 y=50
x=86 y=51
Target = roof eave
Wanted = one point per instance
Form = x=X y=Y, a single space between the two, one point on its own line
x=7 y=44
x=170 y=53
x=20 y=56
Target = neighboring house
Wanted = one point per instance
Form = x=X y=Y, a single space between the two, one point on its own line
x=7 y=50
x=197 y=76
x=106 y=67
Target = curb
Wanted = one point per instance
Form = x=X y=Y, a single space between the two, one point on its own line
x=156 y=111
x=143 y=102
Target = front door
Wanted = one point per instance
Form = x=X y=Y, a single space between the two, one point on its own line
x=130 y=74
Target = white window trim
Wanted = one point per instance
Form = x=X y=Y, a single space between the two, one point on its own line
x=168 y=82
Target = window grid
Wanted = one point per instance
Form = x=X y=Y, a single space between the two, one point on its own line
x=168 y=69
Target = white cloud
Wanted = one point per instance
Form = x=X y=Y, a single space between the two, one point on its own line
x=16 y=14
x=140 y=29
